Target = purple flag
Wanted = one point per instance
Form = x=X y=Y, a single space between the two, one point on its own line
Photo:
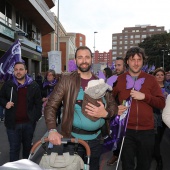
x=8 y=60
x=119 y=124
x=145 y=68
x=71 y=66
x=117 y=129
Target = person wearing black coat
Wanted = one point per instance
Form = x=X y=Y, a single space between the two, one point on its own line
x=21 y=98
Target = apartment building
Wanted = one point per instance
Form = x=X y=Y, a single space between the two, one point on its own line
x=104 y=58
x=27 y=21
x=132 y=36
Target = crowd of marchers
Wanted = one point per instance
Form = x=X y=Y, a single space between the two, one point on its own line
x=24 y=100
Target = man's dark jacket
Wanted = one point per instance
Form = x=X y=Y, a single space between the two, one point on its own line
x=34 y=102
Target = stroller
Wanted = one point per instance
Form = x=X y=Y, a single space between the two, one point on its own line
x=52 y=161
x=65 y=161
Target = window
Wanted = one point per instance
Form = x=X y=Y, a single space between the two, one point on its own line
x=114 y=48
x=18 y=20
x=143 y=36
x=125 y=42
x=151 y=30
x=114 y=37
x=131 y=36
x=6 y=13
x=159 y=29
x=81 y=38
x=137 y=41
x=125 y=47
x=120 y=42
x=2 y=12
x=131 y=42
x=81 y=43
x=114 y=52
x=137 y=36
x=137 y=30
x=114 y=42
x=126 y=36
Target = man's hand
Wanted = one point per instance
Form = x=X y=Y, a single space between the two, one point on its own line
x=137 y=95
x=95 y=111
x=44 y=99
x=121 y=109
x=55 y=138
x=9 y=105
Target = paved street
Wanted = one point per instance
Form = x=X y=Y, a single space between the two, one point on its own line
x=39 y=133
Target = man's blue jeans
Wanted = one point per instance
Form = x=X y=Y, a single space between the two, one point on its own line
x=22 y=134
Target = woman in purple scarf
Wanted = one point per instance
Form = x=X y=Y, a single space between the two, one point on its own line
x=49 y=83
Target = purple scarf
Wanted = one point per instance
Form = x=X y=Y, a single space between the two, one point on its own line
x=47 y=83
x=28 y=80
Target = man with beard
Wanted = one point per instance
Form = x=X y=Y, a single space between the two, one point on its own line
x=144 y=93
x=70 y=90
x=21 y=98
x=119 y=66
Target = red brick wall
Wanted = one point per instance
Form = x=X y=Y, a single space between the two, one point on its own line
x=46 y=44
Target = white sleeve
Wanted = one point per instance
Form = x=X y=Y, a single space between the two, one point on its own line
x=166 y=112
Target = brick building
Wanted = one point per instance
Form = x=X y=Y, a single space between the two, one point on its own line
x=104 y=58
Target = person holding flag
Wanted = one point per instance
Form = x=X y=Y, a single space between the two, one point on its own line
x=144 y=93
x=8 y=60
x=21 y=98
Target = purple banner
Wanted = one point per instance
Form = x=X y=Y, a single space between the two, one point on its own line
x=118 y=127
x=8 y=60
x=71 y=66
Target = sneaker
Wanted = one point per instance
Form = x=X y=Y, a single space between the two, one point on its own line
x=112 y=160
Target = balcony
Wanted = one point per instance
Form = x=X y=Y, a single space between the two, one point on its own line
x=36 y=12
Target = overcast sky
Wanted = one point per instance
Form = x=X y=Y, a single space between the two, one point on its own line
x=110 y=16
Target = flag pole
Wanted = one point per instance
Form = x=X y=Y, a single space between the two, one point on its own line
x=117 y=165
x=11 y=94
x=127 y=105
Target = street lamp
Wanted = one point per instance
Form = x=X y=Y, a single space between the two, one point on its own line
x=94 y=40
x=94 y=44
x=58 y=27
x=163 y=57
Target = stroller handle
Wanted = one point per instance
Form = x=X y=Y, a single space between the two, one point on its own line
x=63 y=141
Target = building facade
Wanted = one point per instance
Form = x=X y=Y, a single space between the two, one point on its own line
x=26 y=21
x=132 y=36
x=104 y=58
x=51 y=42
x=80 y=40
